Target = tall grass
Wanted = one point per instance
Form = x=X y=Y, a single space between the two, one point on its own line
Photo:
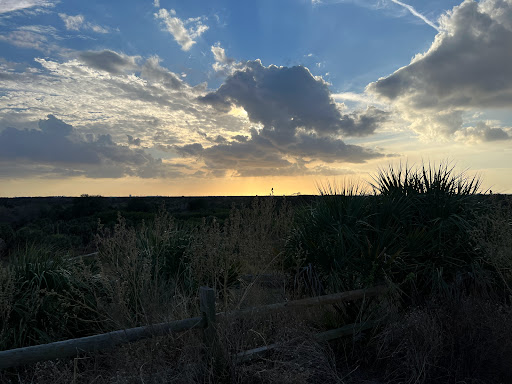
x=141 y=275
x=249 y=241
x=427 y=231
x=33 y=288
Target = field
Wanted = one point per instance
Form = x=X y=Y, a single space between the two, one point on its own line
x=441 y=245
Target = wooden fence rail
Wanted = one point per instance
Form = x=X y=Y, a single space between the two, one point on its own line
x=71 y=347
x=206 y=322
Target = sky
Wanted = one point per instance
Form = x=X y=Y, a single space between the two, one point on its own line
x=219 y=97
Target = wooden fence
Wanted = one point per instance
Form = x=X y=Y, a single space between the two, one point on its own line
x=207 y=322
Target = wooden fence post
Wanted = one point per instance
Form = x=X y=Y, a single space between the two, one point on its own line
x=216 y=359
x=207 y=308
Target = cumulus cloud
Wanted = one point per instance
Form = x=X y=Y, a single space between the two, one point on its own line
x=117 y=101
x=299 y=122
x=284 y=99
x=468 y=67
x=151 y=106
x=184 y=32
x=482 y=132
x=109 y=61
x=60 y=148
x=147 y=105
x=77 y=23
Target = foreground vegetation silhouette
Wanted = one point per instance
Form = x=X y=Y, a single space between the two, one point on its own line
x=442 y=246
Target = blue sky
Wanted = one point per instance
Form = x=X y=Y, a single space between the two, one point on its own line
x=228 y=97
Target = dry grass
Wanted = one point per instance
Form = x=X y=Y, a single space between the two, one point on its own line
x=152 y=274
x=466 y=340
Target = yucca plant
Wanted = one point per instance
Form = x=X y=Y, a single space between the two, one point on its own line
x=438 y=247
x=413 y=230
x=340 y=235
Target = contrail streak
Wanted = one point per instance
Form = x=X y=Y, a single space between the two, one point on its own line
x=417 y=14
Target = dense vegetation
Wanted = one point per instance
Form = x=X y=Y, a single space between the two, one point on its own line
x=442 y=246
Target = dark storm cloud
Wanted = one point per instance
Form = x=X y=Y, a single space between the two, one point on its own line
x=109 y=61
x=58 y=147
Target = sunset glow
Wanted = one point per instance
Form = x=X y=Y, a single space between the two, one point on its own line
x=228 y=98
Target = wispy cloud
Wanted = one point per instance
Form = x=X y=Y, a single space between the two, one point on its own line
x=77 y=23
x=40 y=37
x=184 y=32
x=14 y=5
x=223 y=65
x=417 y=14
x=379 y=5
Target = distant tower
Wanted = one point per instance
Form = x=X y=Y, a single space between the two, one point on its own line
x=272 y=192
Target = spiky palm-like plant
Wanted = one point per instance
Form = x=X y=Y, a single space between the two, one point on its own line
x=414 y=230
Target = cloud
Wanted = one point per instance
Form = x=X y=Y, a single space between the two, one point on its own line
x=77 y=23
x=61 y=149
x=482 y=132
x=73 y=23
x=109 y=61
x=156 y=74
x=14 y=5
x=223 y=64
x=40 y=37
x=258 y=156
x=107 y=105
x=220 y=55
x=26 y=39
x=149 y=105
x=284 y=99
x=468 y=67
x=184 y=32
x=133 y=141
x=415 y=13
x=300 y=124
x=385 y=6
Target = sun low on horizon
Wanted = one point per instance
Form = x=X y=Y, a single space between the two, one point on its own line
x=219 y=98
